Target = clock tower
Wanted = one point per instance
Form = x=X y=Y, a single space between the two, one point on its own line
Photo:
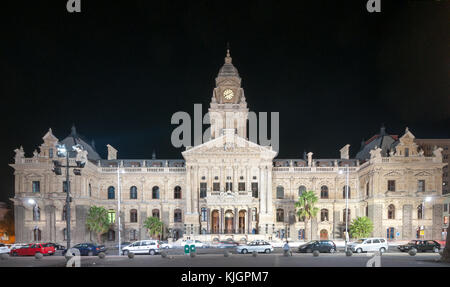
x=228 y=109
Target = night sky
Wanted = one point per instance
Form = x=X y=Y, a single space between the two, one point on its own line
x=120 y=69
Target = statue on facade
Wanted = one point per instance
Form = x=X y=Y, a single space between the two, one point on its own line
x=375 y=153
x=437 y=152
x=19 y=154
x=35 y=154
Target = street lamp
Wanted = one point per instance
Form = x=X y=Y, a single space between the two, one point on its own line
x=81 y=159
x=346 y=203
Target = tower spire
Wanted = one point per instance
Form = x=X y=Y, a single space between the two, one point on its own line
x=228 y=57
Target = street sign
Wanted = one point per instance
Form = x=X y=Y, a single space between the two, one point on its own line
x=398 y=234
x=422 y=232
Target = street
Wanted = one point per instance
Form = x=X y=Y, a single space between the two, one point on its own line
x=211 y=257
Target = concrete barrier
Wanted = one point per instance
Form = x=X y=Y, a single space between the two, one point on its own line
x=38 y=256
x=101 y=255
x=316 y=253
x=349 y=252
x=130 y=255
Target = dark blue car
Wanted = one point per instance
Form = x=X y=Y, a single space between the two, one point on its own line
x=89 y=249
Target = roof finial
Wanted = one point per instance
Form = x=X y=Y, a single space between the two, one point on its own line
x=74 y=130
x=382 y=130
x=228 y=57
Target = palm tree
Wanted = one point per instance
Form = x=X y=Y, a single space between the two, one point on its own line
x=306 y=208
x=361 y=227
x=97 y=221
x=154 y=226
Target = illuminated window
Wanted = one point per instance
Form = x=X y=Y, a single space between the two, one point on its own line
x=36 y=186
x=111 y=216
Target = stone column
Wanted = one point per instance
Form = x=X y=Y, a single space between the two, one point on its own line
x=19 y=220
x=262 y=199
x=248 y=185
x=50 y=223
x=81 y=212
x=236 y=220
x=437 y=221
x=209 y=187
x=208 y=220
x=142 y=230
x=249 y=222
x=234 y=189
x=269 y=207
x=188 y=189
x=195 y=191
x=222 y=177
x=221 y=219
x=407 y=222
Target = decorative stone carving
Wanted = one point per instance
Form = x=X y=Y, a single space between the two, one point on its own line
x=20 y=154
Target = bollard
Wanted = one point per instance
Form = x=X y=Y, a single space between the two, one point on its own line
x=349 y=252
x=412 y=252
x=101 y=255
x=163 y=254
x=226 y=253
x=192 y=254
x=38 y=256
x=254 y=253
x=316 y=253
x=130 y=255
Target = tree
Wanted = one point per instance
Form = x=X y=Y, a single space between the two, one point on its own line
x=361 y=227
x=97 y=221
x=154 y=226
x=306 y=208
x=446 y=253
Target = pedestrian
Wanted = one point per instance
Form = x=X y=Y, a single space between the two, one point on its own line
x=286 y=248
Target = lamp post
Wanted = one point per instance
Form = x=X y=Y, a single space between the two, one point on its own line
x=346 y=204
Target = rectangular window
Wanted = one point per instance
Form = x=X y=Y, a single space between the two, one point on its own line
x=445 y=207
x=65 y=186
x=421 y=185
x=255 y=189
x=229 y=186
x=203 y=189
x=216 y=186
x=406 y=152
x=111 y=216
x=204 y=214
x=36 y=186
x=50 y=153
x=241 y=186
x=391 y=185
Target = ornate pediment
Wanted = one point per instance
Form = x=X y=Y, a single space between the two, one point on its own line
x=423 y=173
x=393 y=173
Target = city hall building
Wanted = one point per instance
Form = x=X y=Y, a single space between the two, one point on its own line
x=230 y=187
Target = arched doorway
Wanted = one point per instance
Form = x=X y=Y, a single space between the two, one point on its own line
x=215 y=222
x=323 y=234
x=242 y=221
x=229 y=216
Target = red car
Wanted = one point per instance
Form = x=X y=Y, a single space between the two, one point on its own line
x=32 y=249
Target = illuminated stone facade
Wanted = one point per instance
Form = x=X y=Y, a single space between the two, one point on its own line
x=231 y=187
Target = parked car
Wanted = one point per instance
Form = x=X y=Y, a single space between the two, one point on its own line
x=421 y=246
x=142 y=247
x=227 y=244
x=17 y=245
x=32 y=249
x=165 y=244
x=319 y=245
x=369 y=245
x=88 y=249
x=197 y=243
x=122 y=245
x=257 y=245
x=4 y=249
x=58 y=246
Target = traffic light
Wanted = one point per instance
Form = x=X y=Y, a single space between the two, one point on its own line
x=57 y=167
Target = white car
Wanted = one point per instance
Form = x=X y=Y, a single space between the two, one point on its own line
x=142 y=247
x=369 y=245
x=166 y=245
x=4 y=249
x=257 y=245
x=197 y=243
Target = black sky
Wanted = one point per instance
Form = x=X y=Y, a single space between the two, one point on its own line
x=120 y=69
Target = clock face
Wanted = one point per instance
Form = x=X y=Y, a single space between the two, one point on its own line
x=228 y=94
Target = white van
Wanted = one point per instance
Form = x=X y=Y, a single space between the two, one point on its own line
x=369 y=245
x=142 y=247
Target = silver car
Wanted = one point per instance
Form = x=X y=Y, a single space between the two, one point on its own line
x=258 y=246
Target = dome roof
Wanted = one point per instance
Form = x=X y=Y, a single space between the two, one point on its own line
x=228 y=70
x=74 y=139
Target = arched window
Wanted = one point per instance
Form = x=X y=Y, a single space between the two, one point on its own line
x=280 y=215
x=324 y=215
x=324 y=191
x=90 y=190
x=344 y=192
x=133 y=215
x=177 y=215
x=155 y=213
x=36 y=234
x=301 y=190
x=345 y=215
x=133 y=235
x=280 y=192
x=155 y=192
x=111 y=192
x=391 y=211
x=64 y=213
x=36 y=213
x=133 y=192
x=420 y=211
x=177 y=192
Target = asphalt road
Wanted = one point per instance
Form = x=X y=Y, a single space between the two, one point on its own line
x=275 y=259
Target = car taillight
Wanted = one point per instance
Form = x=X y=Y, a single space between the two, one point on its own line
x=97 y=248
x=157 y=246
